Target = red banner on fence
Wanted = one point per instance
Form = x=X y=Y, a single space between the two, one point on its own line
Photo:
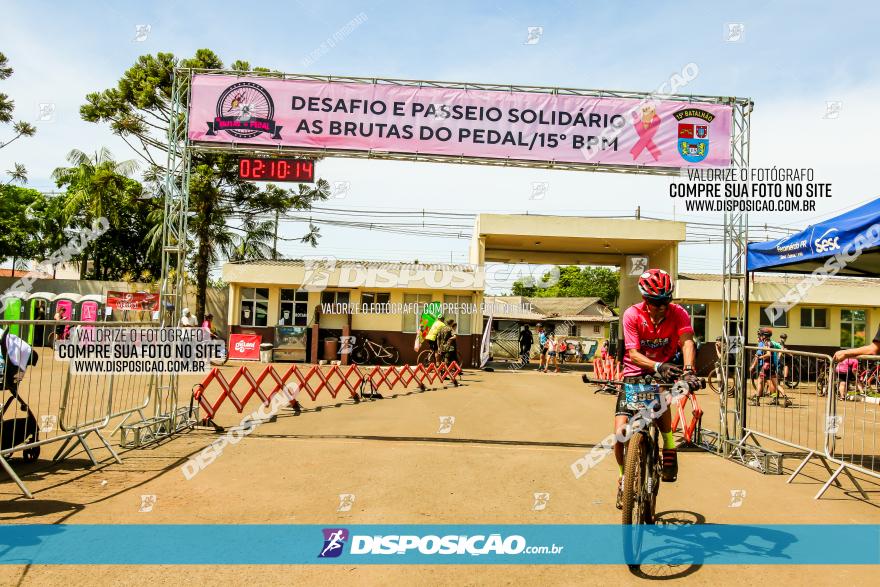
x=244 y=346
x=133 y=301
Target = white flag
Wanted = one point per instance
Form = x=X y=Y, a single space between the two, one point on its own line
x=486 y=345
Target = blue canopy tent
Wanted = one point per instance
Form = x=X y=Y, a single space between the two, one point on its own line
x=852 y=237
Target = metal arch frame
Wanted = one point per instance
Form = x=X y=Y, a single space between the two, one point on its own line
x=174 y=240
x=247 y=149
x=174 y=232
x=735 y=294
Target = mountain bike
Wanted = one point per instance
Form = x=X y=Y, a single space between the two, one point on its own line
x=367 y=351
x=869 y=378
x=642 y=461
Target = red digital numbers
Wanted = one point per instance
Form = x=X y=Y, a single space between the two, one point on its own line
x=267 y=169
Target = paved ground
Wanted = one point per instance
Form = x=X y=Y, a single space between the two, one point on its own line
x=515 y=434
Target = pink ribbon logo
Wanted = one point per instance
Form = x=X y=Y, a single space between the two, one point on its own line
x=646 y=137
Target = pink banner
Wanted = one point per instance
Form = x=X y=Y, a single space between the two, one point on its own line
x=454 y=122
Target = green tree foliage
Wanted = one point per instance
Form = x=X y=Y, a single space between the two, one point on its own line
x=574 y=281
x=18 y=224
x=100 y=187
x=138 y=110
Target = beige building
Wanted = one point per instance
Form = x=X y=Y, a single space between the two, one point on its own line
x=583 y=322
x=378 y=300
x=841 y=312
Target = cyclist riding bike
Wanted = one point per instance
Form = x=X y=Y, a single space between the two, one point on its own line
x=654 y=331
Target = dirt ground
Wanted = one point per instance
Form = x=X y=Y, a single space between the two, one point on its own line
x=515 y=434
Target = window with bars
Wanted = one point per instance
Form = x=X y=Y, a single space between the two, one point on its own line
x=254 y=307
x=410 y=317
x=294 y=310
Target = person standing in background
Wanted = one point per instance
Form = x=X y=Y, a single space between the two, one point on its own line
x=542 y=342
x=525 y=344
x=187 y=320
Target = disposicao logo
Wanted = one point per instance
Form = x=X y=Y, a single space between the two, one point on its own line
x=334 y=541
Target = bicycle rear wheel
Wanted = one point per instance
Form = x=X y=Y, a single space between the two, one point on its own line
x=390 y=356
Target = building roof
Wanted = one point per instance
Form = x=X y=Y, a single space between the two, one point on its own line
x=361 y=262
x=787 y=279
x=322 y=272
x=552 y=309
x=771 y=288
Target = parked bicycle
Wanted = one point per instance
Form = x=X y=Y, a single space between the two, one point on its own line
x=716 y=383
x=821 y=377
x=366 y=351
x=425 y=357
x=869 y=379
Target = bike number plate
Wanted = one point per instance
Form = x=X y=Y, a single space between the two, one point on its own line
x=639 y=396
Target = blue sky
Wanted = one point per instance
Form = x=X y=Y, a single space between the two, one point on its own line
x=793 y=58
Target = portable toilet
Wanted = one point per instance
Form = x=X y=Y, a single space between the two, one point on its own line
x=66 y=302
x=13 y=309
x=90 y=307
x=38 y=309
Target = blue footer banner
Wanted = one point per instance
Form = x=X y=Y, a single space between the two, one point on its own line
x=167 y=544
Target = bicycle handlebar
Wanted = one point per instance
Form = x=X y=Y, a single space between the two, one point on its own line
x=660 y=384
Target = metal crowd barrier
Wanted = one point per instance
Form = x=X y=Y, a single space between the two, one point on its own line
x=50 y=404
x=853 y=422
x=803 y=402
x=786 y=404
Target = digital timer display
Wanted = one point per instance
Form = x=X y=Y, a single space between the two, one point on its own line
x=269 y=169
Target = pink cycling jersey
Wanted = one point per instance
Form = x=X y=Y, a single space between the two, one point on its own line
x=658 y=343
x=847 y=365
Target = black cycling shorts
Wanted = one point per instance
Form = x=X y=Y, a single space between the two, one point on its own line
x=432 y=344
x=620 y=408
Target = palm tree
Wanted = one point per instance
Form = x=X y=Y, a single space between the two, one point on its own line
x=255 y=241
x=97 y=188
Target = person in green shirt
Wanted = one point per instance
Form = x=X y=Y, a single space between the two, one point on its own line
x=431 y=337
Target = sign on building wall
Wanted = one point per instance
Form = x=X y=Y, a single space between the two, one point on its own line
x=244 y=346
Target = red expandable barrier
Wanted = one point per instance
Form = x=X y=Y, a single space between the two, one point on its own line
x=333 y=380
x=608 y=369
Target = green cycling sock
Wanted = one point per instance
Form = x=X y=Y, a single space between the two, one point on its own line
x=668 y=440
x=621 y=469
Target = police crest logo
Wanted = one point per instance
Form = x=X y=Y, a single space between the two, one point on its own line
x=245 y=110
x=693 y=135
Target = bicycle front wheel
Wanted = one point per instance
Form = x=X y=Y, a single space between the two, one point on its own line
x=715 y=381
x=635 y=476
x=635 y=497
x=425 y=358
x=360 y=355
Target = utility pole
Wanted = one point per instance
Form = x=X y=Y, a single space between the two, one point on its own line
x=275 y=240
